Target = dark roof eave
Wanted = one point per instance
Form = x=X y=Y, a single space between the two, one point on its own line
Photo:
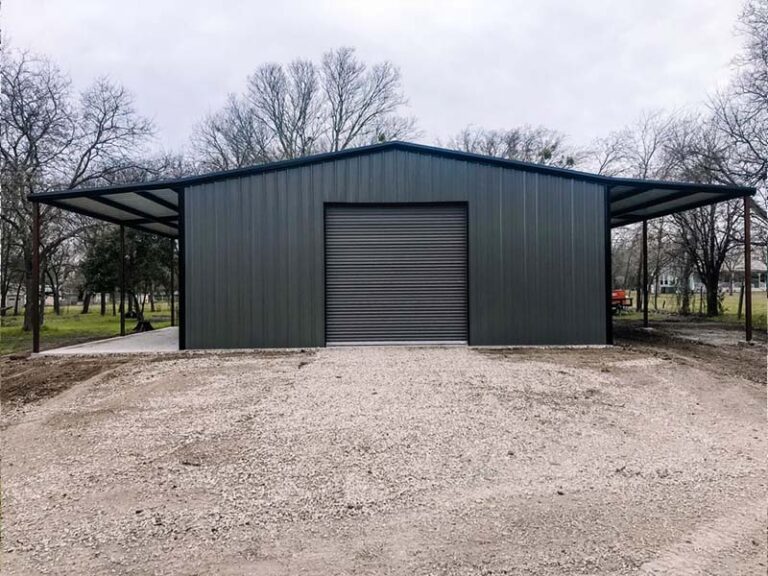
x=629 y=218
x=180 y=183
x=614 y=181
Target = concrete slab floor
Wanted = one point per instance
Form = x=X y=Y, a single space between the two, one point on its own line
x=163 y=340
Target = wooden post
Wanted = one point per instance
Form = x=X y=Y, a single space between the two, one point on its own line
x=645 y=273
x=122 y=280
x=747 y=270
x=173 y=308
x=34 y=298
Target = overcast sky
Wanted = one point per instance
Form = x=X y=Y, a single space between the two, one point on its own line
x=585 y=67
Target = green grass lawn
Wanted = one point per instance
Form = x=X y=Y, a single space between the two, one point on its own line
x=72 y=327
x=667 y=304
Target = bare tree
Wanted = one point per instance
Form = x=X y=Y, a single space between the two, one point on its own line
x=231 y=137
x=288 y=103
x=362 y=102
x=60 y=265
x=50 y=140
x=699 y=153
x=529 y=144
x=741 y=112
x=607 y=155
x=304 y=108
x=11 y=265
x=638 y=151
x=644 y=149
x=707 y=235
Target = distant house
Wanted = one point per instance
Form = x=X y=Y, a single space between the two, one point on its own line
x=671 y=283
x=759 y=273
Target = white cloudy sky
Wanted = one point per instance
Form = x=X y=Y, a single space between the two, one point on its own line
x=582 y=66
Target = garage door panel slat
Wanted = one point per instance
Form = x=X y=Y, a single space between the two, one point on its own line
x=396 y=273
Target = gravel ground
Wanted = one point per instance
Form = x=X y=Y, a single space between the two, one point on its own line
x=390 y=460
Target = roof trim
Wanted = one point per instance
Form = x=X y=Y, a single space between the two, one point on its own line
x=628 y=218
x=178 y=183
x=629 y=188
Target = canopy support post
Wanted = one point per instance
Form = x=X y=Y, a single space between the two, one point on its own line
x=645 y=273
x=182 y=275
x=173 y=308
x=122 y=280
x=34 y=298
x=747 y=269
x=608 y=269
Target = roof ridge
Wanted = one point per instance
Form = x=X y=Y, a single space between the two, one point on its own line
x=197 y=179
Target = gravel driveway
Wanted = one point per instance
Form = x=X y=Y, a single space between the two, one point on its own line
x=390 y=460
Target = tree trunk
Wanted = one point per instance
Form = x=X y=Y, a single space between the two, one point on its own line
x=627 y=268
x=55 y=290
x=86 y=302
x=142 y=325
x=103 y=304
x=685 y=301
x=18 y=295
x=30 y=289
x=713 y=296
x=639 y=285
x=6 y=288
x=151 y=301
x=657 y=264
x=138 y=309
x=42 y=301
x=113 y=299
x=741 y=301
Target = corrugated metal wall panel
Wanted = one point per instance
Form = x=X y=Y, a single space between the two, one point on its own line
x=396 y=273
x=255 y=257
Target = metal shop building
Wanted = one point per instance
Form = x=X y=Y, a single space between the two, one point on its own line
x=391 y=243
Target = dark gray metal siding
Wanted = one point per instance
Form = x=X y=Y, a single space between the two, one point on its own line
x=255 y=255
x=396 y=273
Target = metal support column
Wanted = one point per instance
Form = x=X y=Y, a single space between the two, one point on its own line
x=608 y=269
x=122 y=280
x=747 y=269
x=182 y=275
x=645 y=273
x=34 y=298
x=173 y=308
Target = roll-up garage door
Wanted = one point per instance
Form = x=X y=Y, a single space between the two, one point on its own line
x=396 y=274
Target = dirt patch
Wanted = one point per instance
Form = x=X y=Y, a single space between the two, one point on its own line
x=672 y=341
x=25 y=379
x=28 y=379
x=594 y=358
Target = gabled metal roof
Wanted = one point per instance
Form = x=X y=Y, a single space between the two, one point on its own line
x=154 y=206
